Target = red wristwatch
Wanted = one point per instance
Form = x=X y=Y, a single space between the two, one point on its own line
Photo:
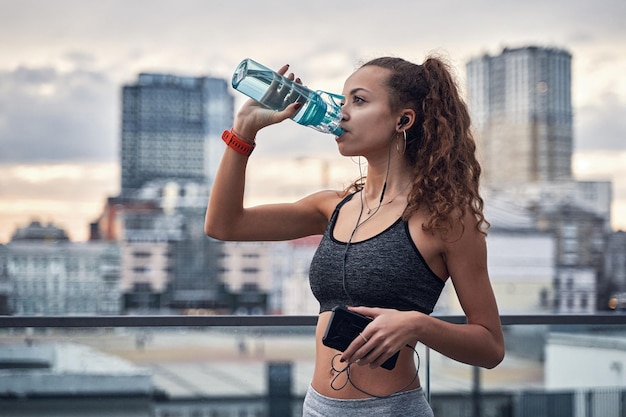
x=237 y=144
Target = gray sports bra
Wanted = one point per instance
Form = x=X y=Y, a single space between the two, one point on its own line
x=386 y=270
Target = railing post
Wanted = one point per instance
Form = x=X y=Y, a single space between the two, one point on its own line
x=476 y=409
x=279 y=388
x=427 y=374
x=589 y=403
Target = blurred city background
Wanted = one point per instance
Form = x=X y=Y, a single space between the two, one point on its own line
x=110 y=134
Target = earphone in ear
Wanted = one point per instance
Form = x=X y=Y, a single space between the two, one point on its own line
x=404 y=120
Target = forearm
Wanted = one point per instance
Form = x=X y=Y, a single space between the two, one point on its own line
x=225 y=207
x=473 y=344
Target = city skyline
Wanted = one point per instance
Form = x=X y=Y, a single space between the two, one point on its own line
x=62 y=72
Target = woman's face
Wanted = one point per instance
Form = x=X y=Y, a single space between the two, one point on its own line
x=368 y=122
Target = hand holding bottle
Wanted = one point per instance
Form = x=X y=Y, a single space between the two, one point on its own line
x=279 y=94
x=253 y=116
x=317 y=109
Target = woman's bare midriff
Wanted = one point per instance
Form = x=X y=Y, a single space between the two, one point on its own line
x=379 y=381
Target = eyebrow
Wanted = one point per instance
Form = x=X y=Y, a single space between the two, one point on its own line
x=357 y=89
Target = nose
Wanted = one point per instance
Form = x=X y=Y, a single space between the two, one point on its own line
x=345 y=115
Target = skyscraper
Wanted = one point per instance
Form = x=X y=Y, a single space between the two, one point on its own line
x=170 y=147
x=171 y=127
x=521 y=108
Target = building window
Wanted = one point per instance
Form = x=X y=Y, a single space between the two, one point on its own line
x=543 y=298
x=570 y=231
x=584 y=301
x=570 y=245
x=570 y=258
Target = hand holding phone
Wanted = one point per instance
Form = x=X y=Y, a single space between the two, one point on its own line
x=344 y=326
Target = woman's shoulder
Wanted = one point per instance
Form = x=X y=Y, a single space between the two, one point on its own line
x=465 y=232
x=326 y=201
x=461 y=225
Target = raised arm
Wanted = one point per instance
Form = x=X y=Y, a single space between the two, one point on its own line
x=227 y=219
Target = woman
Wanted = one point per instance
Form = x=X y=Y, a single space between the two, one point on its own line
x=390 y=241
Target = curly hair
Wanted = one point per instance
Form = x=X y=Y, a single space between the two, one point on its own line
x=440 y=147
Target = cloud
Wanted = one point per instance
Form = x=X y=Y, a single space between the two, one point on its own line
x=69 y=194
x=601 y=125
x=62 y=70
x=50 y=115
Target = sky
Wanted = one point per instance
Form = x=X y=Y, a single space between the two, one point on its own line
x=63 y=64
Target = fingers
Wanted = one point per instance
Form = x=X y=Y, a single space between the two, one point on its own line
x=289 y=111
x=368 y=353
x=299 y=98
x=283 y=69
x=372 y=312
x=292 y=92
x=357 y=350
x=280 y=96
x=286 y=98
x=373 y=346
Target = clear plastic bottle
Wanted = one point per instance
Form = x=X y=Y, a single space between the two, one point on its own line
x=320 y=110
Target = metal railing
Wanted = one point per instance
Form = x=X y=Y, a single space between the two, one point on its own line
x=155 y=321
x=266 y=320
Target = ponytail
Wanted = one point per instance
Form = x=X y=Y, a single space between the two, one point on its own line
x=440 y=146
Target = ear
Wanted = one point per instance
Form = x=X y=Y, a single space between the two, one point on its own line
x=405 y=120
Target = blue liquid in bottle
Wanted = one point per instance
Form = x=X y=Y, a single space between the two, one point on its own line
x=320 y=110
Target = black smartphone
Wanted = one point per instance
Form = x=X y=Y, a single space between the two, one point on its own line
x=344 y=326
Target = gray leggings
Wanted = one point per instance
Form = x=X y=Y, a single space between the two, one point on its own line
x=403 y=404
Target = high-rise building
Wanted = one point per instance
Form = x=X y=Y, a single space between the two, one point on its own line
x=170 y=148
x=521 y=108
x=171 y=127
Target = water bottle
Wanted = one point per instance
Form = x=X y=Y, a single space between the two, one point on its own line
x=320 y=110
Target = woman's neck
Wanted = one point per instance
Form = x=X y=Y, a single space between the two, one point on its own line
x=395 y=181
